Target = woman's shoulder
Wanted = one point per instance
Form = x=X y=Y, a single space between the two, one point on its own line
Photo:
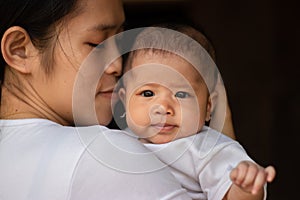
x=66 y=144
x=77 y=157
x=35 y=130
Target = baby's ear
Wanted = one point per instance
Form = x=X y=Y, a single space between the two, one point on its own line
x=122 y=95
x=210 y=105
x=17 y=49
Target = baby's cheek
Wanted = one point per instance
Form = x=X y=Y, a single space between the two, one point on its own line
x=190 y=122
x=138 y=126
x=138 y=117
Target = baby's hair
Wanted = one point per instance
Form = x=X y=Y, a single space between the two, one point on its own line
x=156 y=41
x=195 y=33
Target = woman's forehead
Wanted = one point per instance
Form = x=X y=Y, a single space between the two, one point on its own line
x=99 y=15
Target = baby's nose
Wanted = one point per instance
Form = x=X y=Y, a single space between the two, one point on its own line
x=162 y=109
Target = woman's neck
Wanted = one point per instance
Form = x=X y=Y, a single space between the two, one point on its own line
x=15 y=104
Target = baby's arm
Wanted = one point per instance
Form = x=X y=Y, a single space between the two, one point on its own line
x=248 y=181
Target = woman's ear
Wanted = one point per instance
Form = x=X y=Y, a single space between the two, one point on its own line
x=122 y=95
x=17 y=48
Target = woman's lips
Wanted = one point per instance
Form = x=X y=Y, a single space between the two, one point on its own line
x=110 y=94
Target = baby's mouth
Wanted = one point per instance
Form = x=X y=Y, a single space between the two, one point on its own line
x=164 y=126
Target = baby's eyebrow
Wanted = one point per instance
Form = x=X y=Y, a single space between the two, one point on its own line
x=179 y=85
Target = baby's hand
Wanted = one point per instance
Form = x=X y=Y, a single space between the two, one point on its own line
x=251 y=177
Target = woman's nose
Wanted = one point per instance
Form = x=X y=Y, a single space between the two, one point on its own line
x=115 y=68
x=112 y=51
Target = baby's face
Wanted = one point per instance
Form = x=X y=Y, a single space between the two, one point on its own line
x=165 y=98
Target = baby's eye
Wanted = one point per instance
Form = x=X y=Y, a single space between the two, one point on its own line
x=182 y=95
x=147 y=93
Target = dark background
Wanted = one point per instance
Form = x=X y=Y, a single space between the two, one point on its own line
x=257 y=46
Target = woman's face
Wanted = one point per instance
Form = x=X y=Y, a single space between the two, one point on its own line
x=96 y=21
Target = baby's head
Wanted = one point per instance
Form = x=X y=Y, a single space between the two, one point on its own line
x=164 y=95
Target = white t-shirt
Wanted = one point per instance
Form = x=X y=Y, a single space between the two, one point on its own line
x=42 y=160
x=202 y=162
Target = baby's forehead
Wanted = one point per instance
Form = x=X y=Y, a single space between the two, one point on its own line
x=169 y=72
x=156 y=57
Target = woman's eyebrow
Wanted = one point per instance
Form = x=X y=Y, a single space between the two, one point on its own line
x=104 y=27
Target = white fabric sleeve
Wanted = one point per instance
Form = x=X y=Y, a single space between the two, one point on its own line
x=214 y=177
x=42 y=160
x=94 y=181
x=129 y=171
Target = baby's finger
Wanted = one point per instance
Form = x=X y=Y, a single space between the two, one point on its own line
x=271 y=173
x=250 y=176
x=233 y=174
x=259 y=182
x=242 y=169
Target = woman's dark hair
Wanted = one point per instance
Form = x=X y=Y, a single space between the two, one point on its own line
x=37 y=17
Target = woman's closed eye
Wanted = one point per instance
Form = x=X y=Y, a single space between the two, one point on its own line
x=182 y=95
x=96 y=45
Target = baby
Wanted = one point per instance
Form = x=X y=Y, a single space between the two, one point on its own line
x=168 y=92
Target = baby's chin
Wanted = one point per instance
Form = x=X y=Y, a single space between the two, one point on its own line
x=158 y=139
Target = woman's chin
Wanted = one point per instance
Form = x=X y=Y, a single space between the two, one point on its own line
x=104 y=118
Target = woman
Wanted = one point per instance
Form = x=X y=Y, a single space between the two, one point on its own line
x=42 y=154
